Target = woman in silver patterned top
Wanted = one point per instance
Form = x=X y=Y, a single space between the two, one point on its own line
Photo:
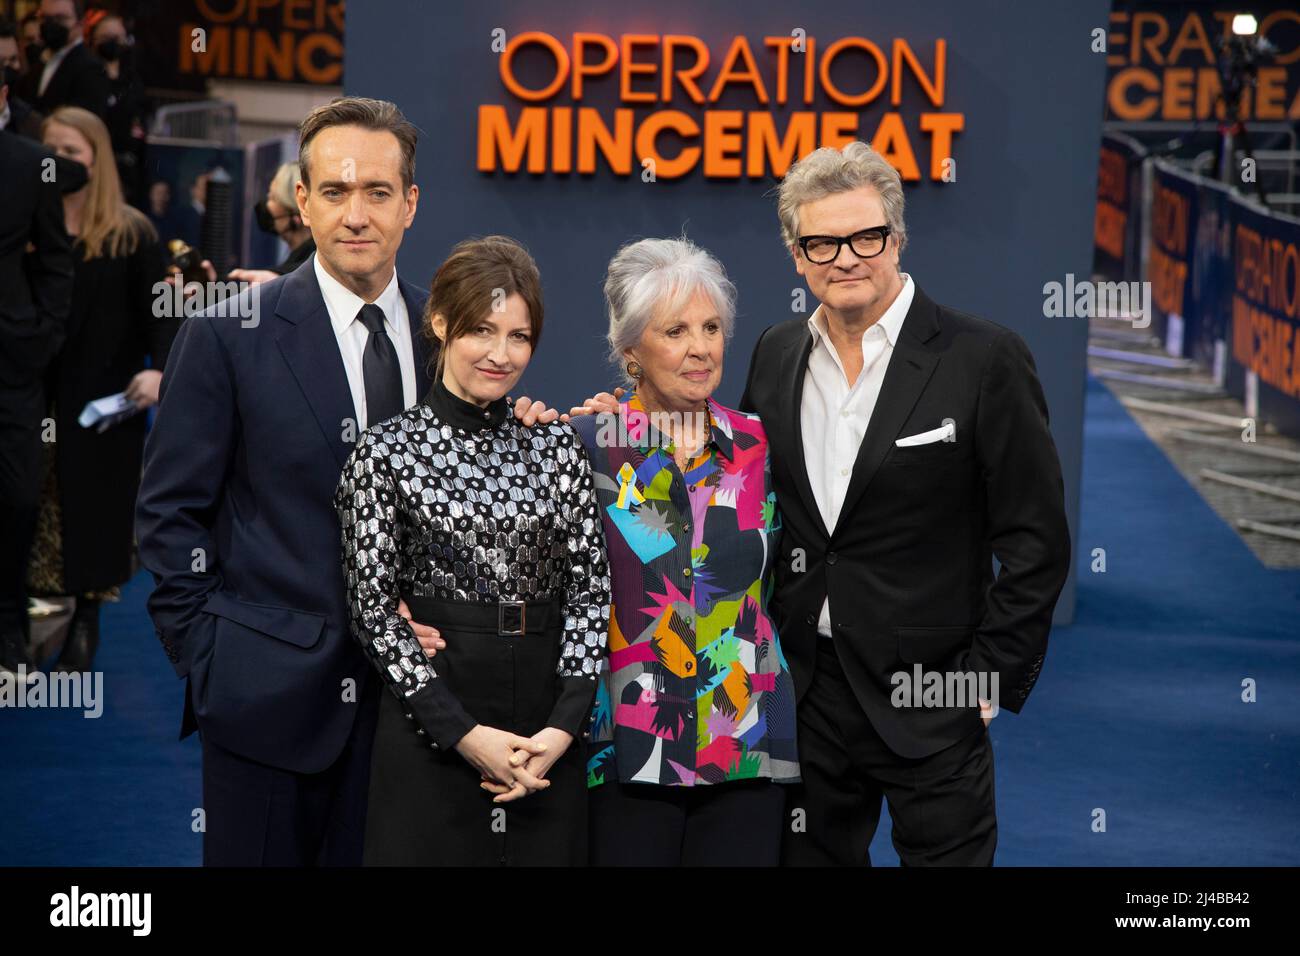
x=490 y=532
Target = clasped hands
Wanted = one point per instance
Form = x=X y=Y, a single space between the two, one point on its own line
x=512 y=766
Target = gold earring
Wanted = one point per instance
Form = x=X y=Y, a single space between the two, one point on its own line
x=634 y=370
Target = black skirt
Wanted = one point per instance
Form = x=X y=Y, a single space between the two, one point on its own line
x=426 y=807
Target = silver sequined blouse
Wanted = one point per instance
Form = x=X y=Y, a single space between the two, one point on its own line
x=456 y=502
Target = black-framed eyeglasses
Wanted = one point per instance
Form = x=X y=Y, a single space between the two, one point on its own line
x=866 y=244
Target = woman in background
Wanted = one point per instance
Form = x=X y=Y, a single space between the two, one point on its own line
x=84 y=538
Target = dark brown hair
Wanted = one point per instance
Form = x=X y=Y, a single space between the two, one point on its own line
x=366 y=113
x=478 y=274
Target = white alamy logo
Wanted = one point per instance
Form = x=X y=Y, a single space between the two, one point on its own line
x=1099 y=300
x=75 y=908
x=922 y=688
x=79 y=691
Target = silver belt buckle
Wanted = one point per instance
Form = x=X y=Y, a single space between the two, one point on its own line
x=508 y=613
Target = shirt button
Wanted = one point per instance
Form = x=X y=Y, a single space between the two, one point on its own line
x=686 y=572
x=687 y=526
x=844 y=471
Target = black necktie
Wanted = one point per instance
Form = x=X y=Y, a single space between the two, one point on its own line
x=380 y=369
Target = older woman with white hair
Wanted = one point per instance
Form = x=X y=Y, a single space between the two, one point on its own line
x=693 y=727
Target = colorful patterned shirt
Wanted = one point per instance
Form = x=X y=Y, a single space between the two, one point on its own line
x=695 y=689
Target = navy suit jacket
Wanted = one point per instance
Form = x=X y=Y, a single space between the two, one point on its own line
x=236 y=521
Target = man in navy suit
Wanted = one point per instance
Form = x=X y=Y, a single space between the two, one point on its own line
x=263 y=400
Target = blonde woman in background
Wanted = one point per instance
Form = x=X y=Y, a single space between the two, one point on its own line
x=114 y=343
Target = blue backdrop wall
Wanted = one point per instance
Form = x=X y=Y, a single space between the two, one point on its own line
x=1019 y=213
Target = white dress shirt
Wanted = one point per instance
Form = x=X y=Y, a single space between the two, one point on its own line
x=835 y=412
x=344 y=306
x=52 y=66
x=5 y=116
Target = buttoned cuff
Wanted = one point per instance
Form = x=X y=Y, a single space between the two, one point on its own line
x=573 y=705
x=440 y=714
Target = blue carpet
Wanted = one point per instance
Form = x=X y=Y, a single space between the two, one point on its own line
x=1137 y=714
x=117 y=790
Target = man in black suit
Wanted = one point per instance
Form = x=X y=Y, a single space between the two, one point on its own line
x=68 y=73
x=910 y=448
x=35 y=298
x=264 y=398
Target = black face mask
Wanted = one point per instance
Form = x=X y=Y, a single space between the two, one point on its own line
x=33 y=52
x=69 y=174
x=111 y=50
x=266 y=221
x=10 y=78
x=54 y=35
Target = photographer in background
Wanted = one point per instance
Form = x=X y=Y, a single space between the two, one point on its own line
x=276 y=214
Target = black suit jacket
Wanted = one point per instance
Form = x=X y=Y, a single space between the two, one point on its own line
x=35 y=288
x=23 y=120
x=236 y=521
x=909 y=567
x=80 y=80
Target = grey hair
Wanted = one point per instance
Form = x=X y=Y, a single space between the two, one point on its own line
x=651 y=276
x=282 y=186
x=827 y=171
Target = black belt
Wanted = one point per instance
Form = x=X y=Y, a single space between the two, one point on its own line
x=507 y=618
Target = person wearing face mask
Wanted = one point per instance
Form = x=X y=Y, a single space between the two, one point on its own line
x=66 y=73
x=126 y=100
x=84 y=531
x=277 y=214
x=29 y=35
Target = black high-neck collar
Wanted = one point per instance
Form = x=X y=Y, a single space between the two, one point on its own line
x=454 y=410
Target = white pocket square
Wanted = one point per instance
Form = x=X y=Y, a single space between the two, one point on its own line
x=946 y=432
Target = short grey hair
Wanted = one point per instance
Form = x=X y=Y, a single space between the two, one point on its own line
x=282 y=188
x=827 y=171
x=651 y=276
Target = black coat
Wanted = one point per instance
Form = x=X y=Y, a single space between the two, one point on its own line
x=111 y=331
x=35 y=288
x=80 y=80
x=297 y=256
x=909 y=567
x=24 y=120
